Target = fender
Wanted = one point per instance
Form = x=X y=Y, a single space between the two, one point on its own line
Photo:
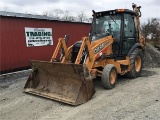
x=136 y=45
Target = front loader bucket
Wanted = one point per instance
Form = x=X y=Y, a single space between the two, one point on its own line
x=68 y=83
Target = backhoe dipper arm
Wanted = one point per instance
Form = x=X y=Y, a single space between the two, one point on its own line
x=138 y=15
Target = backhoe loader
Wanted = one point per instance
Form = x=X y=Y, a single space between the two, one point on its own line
x=114 y=46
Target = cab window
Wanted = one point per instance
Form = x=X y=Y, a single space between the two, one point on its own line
x=129 y=26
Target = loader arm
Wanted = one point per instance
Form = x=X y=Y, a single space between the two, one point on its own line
x=85 y=42
x=95 y=50
x=67 y=51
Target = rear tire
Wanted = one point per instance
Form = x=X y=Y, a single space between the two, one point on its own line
x=136 y=61
x=109 y=76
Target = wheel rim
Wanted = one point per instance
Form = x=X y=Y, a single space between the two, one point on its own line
x=138 y=63
x=113 y=76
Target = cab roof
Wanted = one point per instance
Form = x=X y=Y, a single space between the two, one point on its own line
x=116 y=11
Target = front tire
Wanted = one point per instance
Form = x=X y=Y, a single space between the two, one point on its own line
x=109 y=76
x=136 y=61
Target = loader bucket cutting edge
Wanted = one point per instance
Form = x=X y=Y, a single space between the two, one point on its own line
x=68 y=83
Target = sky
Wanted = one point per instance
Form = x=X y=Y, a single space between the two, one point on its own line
x=150 y=8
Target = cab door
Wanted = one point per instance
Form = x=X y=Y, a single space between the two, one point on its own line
x=129 y=36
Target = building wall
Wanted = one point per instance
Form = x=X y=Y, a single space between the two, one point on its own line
x=15 y=54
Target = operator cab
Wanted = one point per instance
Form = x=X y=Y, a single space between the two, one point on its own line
x=118 y=23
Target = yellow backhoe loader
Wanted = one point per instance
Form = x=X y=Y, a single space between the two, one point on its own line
x=114 y=46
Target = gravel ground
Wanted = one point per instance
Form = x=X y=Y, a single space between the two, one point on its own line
x=131 y=99
x=151 y=57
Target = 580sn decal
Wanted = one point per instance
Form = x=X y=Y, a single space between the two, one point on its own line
x=100 y=47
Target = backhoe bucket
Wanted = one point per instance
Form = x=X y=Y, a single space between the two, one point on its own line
x=68 y=83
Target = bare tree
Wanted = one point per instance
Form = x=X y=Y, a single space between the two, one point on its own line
x=81 y=16
x=45 y=13
x=151 y=29
x=66 y=14
x=72 y=18
x=87 y=20
x=57 y=13
x=145 y=30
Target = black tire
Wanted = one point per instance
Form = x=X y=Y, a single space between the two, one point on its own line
x=109 y=76
x=136 y=63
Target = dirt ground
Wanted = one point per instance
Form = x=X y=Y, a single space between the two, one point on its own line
x=131 y=99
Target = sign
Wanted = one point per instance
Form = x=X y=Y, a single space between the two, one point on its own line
x=38 y=36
